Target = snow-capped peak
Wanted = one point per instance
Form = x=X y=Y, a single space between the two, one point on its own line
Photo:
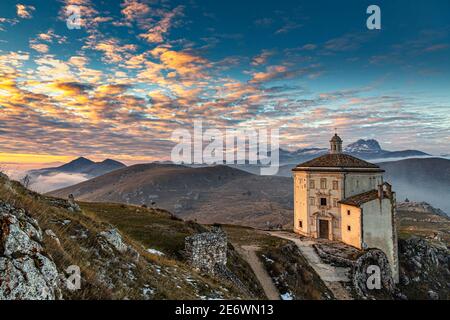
x=363 y=146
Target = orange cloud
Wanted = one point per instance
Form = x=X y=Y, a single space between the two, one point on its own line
x=134 y=9
x=156 y=33
x=24 y=11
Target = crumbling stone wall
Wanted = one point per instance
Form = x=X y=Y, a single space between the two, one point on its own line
x=207 y=251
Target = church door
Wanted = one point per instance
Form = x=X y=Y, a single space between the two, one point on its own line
x=323 y=229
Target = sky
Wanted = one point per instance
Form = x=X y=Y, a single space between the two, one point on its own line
x=136 y=70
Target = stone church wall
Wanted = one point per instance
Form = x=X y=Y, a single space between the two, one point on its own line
x=378 y=230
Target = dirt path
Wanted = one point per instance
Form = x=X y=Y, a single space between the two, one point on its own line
x=330 y=275
x=249 y=254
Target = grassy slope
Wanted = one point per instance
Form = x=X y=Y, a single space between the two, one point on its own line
x=168 y=277
x=160 y=230
x=152 y=228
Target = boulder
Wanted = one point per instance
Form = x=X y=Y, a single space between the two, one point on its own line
x=26 y=271
x=370 y=264
x=114 y=238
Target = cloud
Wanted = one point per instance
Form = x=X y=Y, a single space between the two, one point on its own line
x=437 y=47
x=39 y=47
x=277 y=72
x=264 y=22
x=262 y=57
x=6 y=21
x=133 y=9
x=288 y=26
x=113 y=51
x=156 y=33
x=72 y=88
x=348 y=42
x=24 y=11
x=47 y=183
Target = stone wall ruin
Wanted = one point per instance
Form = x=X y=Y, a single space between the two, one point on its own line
x=207 y=251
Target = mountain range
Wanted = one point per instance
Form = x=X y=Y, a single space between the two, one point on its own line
x=364 y=149
x=208 y=194
x=83 y=166
x=229 y=195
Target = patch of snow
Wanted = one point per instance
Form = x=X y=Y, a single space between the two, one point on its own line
x=154 y=251
x=286 y=296
x=268 y=259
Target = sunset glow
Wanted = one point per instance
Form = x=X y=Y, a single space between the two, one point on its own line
x=136 y=70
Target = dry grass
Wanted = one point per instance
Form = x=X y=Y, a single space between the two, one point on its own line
x=284 y=262
x=151 y=228
x=169 y=277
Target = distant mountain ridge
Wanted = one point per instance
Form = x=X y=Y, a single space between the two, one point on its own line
x=365 y=149
x=420 y=207
x=81 y=165
x=208 y=194
x=228 y=195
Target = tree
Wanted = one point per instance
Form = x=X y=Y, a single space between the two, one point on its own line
x=26 y=180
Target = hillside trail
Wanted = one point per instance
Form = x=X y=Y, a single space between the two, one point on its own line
x=332 y=276
x=249 y=254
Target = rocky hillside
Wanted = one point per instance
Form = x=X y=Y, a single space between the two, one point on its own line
x=421 y=219
x=44 y=240
x=134 y=252
x=424 y=238
x=424 y=270
x=420 y=207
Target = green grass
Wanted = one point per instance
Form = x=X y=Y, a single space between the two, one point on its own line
x=249 y=236
x=152 y=228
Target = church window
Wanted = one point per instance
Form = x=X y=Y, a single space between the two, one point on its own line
x=348 y=212
x=335 y=185
x=323 y=183
x=300 y=224
x=312 y=184
x=323 y=201
x=349 y=228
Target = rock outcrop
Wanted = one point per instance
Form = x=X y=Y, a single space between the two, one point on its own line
x=372 y=276
x=26 y=271
x=420 y=207
x=73 y=206
x=424 y=269
x=114 y=238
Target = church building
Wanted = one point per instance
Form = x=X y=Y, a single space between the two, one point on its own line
x=343 y=198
